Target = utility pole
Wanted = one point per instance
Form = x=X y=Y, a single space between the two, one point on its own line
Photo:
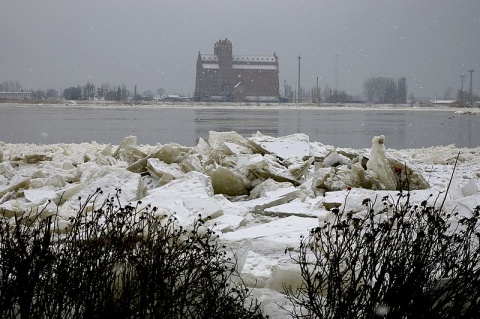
x=135 y=95
x=317 y=94
x=471 y=91
x=336 y=71
x=462 y=100
x=298 y=91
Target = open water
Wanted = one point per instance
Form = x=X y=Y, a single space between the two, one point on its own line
x=339 y=127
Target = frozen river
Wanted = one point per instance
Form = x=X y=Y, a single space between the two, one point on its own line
x=340 y=127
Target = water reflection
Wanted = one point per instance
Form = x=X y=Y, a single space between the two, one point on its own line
x=245 y=123
x=341 y=128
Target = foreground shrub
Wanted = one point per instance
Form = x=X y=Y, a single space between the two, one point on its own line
x=407 y=261
x=117 y=262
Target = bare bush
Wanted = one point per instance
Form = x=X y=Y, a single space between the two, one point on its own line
x=407 y=261
x=117 y=262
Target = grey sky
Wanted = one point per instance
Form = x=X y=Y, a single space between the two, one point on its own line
x=58 y=44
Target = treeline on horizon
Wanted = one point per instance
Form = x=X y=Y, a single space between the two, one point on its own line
x=109 y=93
x=376 y=90
x=86 y=92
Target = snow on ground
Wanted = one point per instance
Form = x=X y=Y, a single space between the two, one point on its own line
x=261 y=192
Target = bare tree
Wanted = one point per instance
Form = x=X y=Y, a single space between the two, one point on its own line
x=448 y=93
x=385 y=90
x=10 y=86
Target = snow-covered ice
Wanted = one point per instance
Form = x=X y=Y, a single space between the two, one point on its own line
x=260 y=192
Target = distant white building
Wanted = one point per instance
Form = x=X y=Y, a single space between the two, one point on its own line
x=453 y=103
x=15 y=95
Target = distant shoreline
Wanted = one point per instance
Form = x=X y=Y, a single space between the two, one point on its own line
x=249 y=106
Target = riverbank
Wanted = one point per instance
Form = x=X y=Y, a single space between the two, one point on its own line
x=266 y=106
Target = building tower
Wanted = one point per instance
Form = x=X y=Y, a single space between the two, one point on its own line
x=223 y=50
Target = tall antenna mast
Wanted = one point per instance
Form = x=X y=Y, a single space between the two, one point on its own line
x=336 y=71
x=471 y=91
x=298 y=92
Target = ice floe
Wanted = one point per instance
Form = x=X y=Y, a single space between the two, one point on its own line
x=260 y=192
